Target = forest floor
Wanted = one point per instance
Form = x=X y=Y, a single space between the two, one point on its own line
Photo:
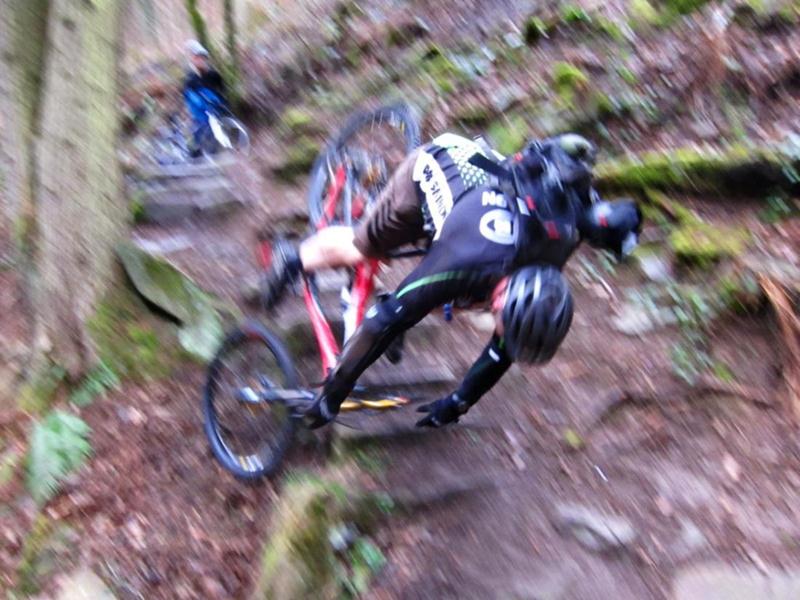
x=693 y=475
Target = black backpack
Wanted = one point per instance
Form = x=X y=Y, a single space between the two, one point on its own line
x=548 y=185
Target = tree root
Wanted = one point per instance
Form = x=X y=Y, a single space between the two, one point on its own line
x=706 y=386
x=789 y=324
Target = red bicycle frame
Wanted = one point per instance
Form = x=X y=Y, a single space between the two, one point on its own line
x=355 y=299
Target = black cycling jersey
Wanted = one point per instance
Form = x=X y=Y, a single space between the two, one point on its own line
x=474 y=250
x=477 y=240
x=209 y=79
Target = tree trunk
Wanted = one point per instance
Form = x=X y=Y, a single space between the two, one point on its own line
x=77 y=193
x=199 y=24
x=22 y=32
x=230 y=40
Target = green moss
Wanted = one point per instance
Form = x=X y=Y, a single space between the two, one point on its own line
x=474 y=115
x=131 y=341
x=137 y=207
x=535 y=30
x=36 y=541
x=299 y=560
x=684 y=7
x=572 y=14
x=9 y=461
x=627 y=75
x=298 y=121
x=568 y=80
x=609 y=28
x=702 y=244
x=508 y=134
x=643 y=14
x=675 y=210
x=732 y=170
x=740 y=292
x=297 y=159
x=442 y=71
x=36 y=395
x=603 y=105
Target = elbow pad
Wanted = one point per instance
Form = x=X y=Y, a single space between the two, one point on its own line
x=613 y=226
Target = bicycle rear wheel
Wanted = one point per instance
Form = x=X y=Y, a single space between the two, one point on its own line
x=249 y=437
x=370 y=145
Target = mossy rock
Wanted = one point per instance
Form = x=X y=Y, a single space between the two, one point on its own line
x=442 y=71
x=474 y=115
x=298 y=121
x=643 y=14
x=569 y=80
x=676 y=212
x=406 y=32
x=683 y=7
x=132 y=341
x=535 y=29
x=297 y=159
x=702 y=244
x=36 y=395
x=164 y=285
x=509 y=134
x=740 y=292
x=734 y=170
x=299 y=560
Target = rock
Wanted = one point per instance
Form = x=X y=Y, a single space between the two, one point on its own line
x=513 y=40
x=504 y=97
x=83 y=584
x=681 y=487
x=703 y=245
x=212 y=588
x=170 y=200
x=161 y=283
x=407 y=31
x=441 y=490
x=735 y=169
x=166 y=245
x=655 y=267
x=595 y=531
x=732 y=467
x=298 y=560
x=297 y=159
x=633 y=319
x=716 y=581
x=690 y=540
x=298 y=121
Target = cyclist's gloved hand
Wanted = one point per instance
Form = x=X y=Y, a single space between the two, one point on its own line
x=442 y=412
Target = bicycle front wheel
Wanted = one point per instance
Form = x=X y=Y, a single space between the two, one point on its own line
x=249 y=436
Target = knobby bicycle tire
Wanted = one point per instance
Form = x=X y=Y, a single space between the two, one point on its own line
x=245 y=333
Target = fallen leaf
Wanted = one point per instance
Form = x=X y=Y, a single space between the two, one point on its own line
x=732 y=468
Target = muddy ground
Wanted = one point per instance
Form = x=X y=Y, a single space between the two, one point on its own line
x=703 y=473
x=698 y=475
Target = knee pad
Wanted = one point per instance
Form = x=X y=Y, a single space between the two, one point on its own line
x=382 y=323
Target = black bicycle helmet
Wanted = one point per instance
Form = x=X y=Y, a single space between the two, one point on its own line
x=537 y=314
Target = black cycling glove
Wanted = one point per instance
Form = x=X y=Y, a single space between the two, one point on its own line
x=442 y=412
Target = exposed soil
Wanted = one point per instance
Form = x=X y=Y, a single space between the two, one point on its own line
x=606 y=425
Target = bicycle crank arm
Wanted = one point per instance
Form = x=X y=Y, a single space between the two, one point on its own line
x=288 y=396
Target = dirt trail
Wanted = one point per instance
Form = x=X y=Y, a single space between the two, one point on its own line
x=714 y=478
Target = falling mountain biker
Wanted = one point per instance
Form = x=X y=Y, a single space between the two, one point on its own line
x=202 y=87
x=497 y=239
